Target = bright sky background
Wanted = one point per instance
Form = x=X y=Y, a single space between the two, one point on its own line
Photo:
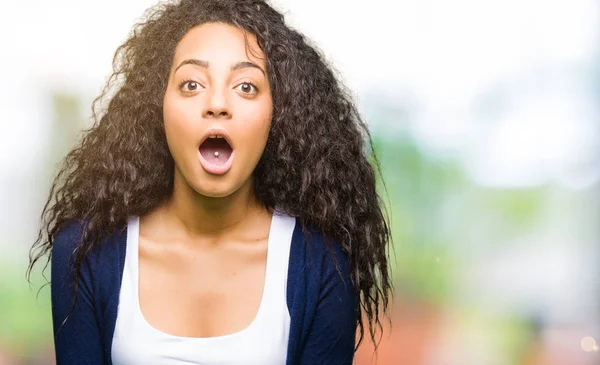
x=438 y=56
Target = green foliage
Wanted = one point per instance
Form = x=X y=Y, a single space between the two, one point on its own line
x=25 y=319
x=438 y=214
x=417 y=188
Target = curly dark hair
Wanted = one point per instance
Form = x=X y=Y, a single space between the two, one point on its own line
x=318 y=165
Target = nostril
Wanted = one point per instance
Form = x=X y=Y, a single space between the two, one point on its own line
x=222 y=113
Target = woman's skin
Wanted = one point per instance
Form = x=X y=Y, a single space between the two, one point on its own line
x=203 y=253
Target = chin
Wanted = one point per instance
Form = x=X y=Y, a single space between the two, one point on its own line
x=216 y=186
x=214 y=190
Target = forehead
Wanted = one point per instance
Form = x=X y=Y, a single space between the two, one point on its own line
x=220 y=44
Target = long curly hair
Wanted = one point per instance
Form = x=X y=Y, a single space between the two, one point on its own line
x=318 y=165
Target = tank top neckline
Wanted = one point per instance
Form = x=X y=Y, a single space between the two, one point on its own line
x=133 y=261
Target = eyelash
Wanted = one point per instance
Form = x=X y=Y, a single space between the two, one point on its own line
x=189 y=80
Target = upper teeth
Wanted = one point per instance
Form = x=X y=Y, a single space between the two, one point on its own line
x=215 y=136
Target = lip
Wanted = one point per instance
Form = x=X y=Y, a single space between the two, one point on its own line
x=210 y=167
x=218 y=132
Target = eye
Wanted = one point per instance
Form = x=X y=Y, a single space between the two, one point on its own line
x=190 y=86
x=247 y=88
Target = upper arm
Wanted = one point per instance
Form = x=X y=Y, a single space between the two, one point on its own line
x=77 y=337
x=332 y=333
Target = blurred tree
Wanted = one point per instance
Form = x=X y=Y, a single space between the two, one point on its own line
x=25 y=320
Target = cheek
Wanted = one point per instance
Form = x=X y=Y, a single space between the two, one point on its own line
x=179 y=123
x=261 y=117
x=256 y=132
x=255 y=143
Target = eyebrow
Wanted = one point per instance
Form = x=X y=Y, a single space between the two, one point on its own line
x=204 y=64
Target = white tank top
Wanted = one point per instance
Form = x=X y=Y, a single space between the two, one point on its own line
x=263 y=342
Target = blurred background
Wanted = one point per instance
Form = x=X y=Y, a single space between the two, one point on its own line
x=485 y=116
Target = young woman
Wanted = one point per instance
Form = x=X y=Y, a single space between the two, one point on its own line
x=222 y=209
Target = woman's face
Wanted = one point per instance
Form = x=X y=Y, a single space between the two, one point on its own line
x=217 y=88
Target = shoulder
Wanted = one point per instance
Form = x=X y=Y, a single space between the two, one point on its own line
x=321 y=249
x=66 y=241
x=69 y=239
x=321 y=261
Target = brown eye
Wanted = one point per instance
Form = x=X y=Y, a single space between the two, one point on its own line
x=190 y=86
x=247 y=88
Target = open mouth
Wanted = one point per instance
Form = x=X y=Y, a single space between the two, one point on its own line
x=216 y=150
x=216 y=153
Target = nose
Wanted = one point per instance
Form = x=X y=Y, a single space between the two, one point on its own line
x=217 y=104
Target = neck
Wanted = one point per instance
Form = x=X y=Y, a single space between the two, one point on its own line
x=198 y=215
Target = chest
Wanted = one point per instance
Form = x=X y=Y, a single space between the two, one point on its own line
x=205 y=309
x=202 y=294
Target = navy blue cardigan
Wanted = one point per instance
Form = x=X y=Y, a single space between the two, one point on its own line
x=320 y=298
